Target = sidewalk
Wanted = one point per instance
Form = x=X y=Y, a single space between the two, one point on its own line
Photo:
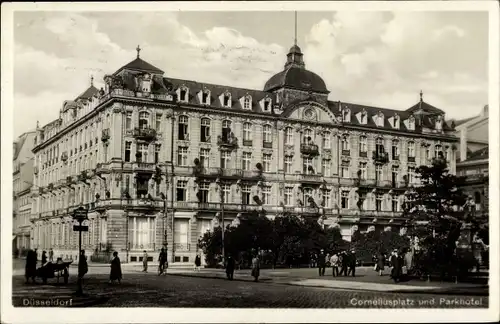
x=344 y=283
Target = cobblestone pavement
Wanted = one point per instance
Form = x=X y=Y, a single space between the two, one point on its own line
x=150 y=290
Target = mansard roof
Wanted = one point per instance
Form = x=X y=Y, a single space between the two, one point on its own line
x=87 y=94
x=139 y=65
x=480 y=154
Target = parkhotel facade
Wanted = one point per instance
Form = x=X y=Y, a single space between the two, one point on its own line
x=159 y=161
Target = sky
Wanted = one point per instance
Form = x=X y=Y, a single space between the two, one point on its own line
x=378 y=58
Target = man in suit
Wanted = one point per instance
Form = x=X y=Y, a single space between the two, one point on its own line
x=321 y=263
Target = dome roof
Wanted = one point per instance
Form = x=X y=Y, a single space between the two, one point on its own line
x=297 y=78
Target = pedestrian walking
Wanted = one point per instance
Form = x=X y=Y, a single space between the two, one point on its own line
x=51 y=255
x=230 y=264
x=256 y=267
x=396 y=263
x=44 y=257
x=197 y=263
x=145 y=257
x=116 y=269
x=408 y=258
x=321 y=263
x=344 y=259
x=82 y=270
x=380 y=263
x=162 y=262
x=30 y=269
x=352 y=263
x=334 y=262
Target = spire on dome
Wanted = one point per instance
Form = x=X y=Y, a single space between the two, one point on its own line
x=421 y=95
x=91 y=80
x=295 y=56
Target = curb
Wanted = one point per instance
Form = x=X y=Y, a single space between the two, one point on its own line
x=438 y=291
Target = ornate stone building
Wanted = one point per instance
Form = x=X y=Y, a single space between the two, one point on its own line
x=22 y=182
x=159 y=161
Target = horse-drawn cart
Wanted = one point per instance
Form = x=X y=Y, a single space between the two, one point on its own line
x=54 y=270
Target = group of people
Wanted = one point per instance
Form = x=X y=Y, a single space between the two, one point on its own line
x=230 y=265
x=400 y=262
x=344 y=260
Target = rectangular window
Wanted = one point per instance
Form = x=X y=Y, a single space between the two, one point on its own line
x=327 y=198
x=181 y=233
x=344 y=170
x=268 y=138
x=182 y=156
x=266 y=195
x=378 y=201
x=345 y=199
x=226 y=193
x=289 y=136
x=246 y=191
x=158 y=122
x=142 y=233
x=247 y=132
x=225 y=160
x=363 y=146
x=266 y=159
x=395 y=150
x=326 y=141
x=288 y=196
x=411 y=175
x=142 y=153
x=411 y=149
x=378 y=172
x=395 y=204
x=308 y=193
x=288 y=164
x=183 y=128
x=363 y=167
x=181 y=190
x=205 y=157
x=307 y=165
x=394 y=175
x=128 y=120
x=204 y=192
x=326 y=167
x=247 y=160
x=157 y=153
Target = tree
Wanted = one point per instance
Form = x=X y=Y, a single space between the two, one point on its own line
x=432 y=214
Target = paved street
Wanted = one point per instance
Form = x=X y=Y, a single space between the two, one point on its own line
x=150 y=290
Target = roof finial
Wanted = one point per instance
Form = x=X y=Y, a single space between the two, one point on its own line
x=91 y=80
x=37 y=124
x=421 y=95
x=295 y=35
x=138 y=49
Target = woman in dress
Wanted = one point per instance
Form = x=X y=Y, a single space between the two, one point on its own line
x=380 y=263
x=116 y=269
x=256 y=267
x=197 y=263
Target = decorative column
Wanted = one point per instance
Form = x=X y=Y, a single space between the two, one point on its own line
x=116 y=132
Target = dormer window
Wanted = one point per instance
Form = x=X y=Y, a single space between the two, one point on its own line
x=411 y=123
x=205 y=97
x=266 y=104
x=380 y=120
x=247 y=102
x=439 y=123
x=225 y=99
x=146 y=83
x=364 y=117
x=396 y=121
x=183 y=94
x=346 y=115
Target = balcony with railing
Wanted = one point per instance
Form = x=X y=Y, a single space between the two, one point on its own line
x=411 y=159
x=141 y=246
x=346 y=152
x=363 y=153
x=105 y=135
x=380 y=157
x=147 y=167
x=309 y=149
x=229 y=142
x=182 y=247
x=145 y=134
x=310 y=178
x=267 y=144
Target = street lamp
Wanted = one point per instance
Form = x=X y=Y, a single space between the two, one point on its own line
x=80 y=215
x=165 y=213
x=221 y=193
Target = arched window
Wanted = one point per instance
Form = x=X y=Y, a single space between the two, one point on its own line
x=345 y=143
x=183 y=134
x=143 y=120
x=346 y=115
x=267 y=134
x=205 y=130
x=226 y=129
x=288 y=136
x=438 y=151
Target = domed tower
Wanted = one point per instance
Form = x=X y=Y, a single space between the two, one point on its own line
x=295 y=83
